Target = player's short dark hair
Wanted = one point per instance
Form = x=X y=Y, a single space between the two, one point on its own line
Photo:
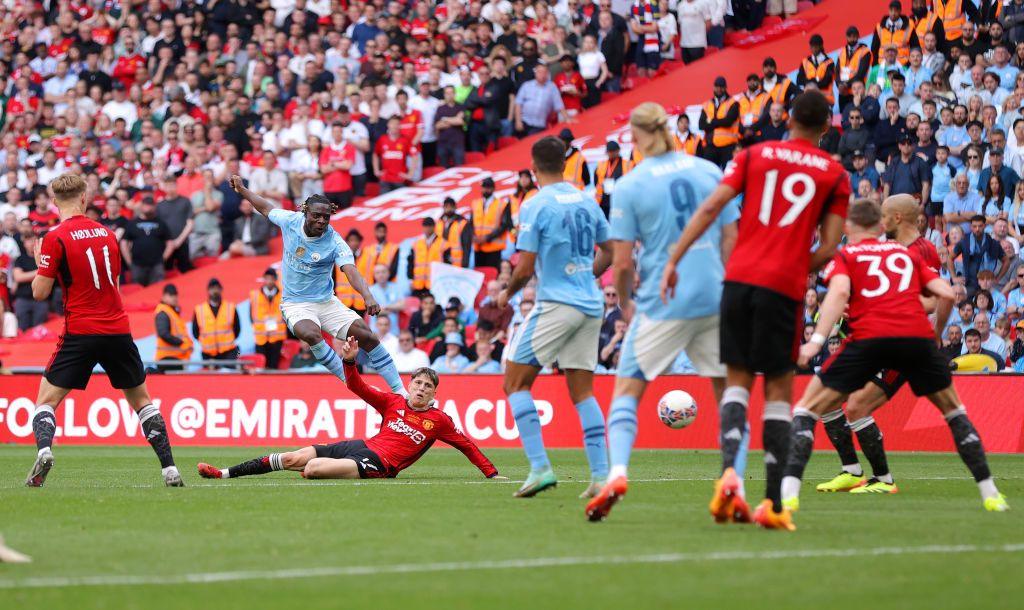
x=427 y=372
x=549 y=155
x=313 y=199
x=977 y=218
x=972 y=332
x=864 y=213
x=811 y=110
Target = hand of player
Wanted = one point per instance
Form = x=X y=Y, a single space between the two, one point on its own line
x=236 y=183
x=372 y=307
x=502 y=299
x=807 y=352
x=628 y=308
x=497 y=477
x=38 y=251
x=668 y=284
x=350 y=348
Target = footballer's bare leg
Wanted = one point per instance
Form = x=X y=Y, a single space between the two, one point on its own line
x=155 y=429
x=331 y=468
x=379 y=357
x=291 y=460
x=44 y=426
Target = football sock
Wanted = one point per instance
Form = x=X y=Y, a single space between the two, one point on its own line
x=381 y=360
x=733 y=420
x=801 y=443
x=260 y=465
x=592 y=422
x=775 y=438
x=44 y=424
x=528 y=422
x=326 y=356
x=968 y=445
x=155 y=429
x=740 y=465
x=870 y=437
x=838 y=431
x=622 y=424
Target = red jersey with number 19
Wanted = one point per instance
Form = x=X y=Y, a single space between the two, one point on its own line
x=886 y=281
x=82 y=255
x=787 y=189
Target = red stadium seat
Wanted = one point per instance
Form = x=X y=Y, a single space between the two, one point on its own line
x=474 y=157
x=290 y=348
x=506 y=141
x=254 y=361
x=431 y=171
x=490 y=273
x=427 y=346
x=372 y=189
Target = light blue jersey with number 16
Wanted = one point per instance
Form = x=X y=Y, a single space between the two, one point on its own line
x=652 y=204
x=561 y=225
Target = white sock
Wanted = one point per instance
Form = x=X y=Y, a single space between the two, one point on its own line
x=741 y=491
x=790 y=487
x=224 y=473
x=42 y=451
x=854 y=469
x=164 y=471
x=988 y=488
x=616 y=471
x=885 y=478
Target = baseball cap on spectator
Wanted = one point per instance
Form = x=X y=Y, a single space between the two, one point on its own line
x=858 y=153
x=453 y=339
x=171 y=289
x=34 y=139
x=453 y=303
x=905 y=138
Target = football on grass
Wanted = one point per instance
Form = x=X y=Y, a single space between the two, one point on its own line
x=677 y=409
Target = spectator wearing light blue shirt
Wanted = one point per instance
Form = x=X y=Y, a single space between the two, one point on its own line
x=452 y=361
x=536 y=100
x=915 y=73
x=863 y=171
x=388 y=294
x=942 y=180
x=485 y=364
x=962 y=204
x=1001 y=65
x=955 y=136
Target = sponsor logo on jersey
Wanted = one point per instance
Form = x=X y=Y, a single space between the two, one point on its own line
x=315 y=256
x=401 y=427
x=300 y=251
x=44 y=261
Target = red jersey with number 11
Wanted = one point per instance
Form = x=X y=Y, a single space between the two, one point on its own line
x=787 y=189
x=82 y=255
x=886 y=282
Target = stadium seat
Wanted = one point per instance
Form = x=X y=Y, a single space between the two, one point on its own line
x=253 y=361
x=433 y=170
x=506 y=141
x=290 y=348
x=474 y=157
x=372 y=189
x=427 y=346
x=490 y=273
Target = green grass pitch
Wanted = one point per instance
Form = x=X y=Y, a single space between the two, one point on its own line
x=105 y=533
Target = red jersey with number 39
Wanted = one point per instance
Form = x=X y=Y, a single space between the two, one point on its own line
x=82 y=255
x=886 y=282
x=787 y=189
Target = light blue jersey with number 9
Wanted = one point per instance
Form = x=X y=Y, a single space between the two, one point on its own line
x=562 y=225
x=652 y=204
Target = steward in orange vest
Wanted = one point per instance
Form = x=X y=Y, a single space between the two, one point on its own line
x=608 y=173
x=215 y=325
x=818 y=68
x=492 y=220
x=364 y=262
x=172 y=340
x=385 y=253
x=893 y=29
x=778 y=86
x=955 y=13
x=854 y=64
x=429 y=248
x=525 y=188
x=576 y=171
x=923 y=21
x=753 y=104
x=456 y=235
x=268 y=326
x=686 y=141
x=720 y=120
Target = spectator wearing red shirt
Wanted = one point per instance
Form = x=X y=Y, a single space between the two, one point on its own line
x=411 y=128
x=126 y=66
x=42 y=217
x=391 y=158
x=571 y=85
x=336 y=159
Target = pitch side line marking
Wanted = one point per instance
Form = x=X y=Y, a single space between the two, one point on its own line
x=474 y=566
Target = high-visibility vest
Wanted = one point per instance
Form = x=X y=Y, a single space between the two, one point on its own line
x=816 y=73
x=573 y=172
x=216 y=332
x=689 y=145
x=721 y=136
x=923 y=26
x=450 y=234
x=953 y=18
x=485 y=221
x=635 y=157
x=779 y=93
x=347 y=293
x=900 y=38
x=423 y=255
x=607 y=170
x=166 y=351
x=516 y=201
x=267 y=323
x=385 y=255
x=849 y=65
x=752 y=107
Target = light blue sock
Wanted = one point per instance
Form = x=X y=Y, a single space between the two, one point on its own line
x=740 y=465
x=622 y=430
x=381 y=360
x=528 y=422
x=592 y=422
x=326 y=356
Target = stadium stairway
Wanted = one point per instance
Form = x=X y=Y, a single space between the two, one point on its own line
x=685 y=87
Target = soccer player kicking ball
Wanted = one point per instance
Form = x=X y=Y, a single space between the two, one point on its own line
x=558 y=230
x=790 y=189
x=651 y=204
x=882 y=282
x=83 y=256
x=900 y=216
x=311 y=250
x=410 y=427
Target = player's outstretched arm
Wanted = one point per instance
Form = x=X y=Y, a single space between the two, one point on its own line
x=699 y=223
x=831 y=234
x=261 y=204
x=373 y=397
x=355 y=279
x=830 y=312
x=457 y=439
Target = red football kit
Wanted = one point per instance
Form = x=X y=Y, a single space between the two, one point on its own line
x=787 y=189
x=405 y=435
x=82 y=255
x=927 y=253
x=886 y=282
x=393 y=154
x=338 y=181
x=411 y=122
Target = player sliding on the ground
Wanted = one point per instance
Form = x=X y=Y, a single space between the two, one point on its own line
x=83 y=256
x=650 y=205
x=789 y=189
x=882 y=282
x=410 y=427
x=311 y=250
x=557 y=234
x=900 y=220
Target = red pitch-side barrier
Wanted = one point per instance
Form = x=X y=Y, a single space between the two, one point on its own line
x=300 y=410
